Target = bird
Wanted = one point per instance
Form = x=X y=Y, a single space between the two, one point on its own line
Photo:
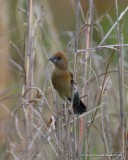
x=62 y=80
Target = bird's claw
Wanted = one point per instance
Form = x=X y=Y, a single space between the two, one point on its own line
x=70 y=111
x=74 y=82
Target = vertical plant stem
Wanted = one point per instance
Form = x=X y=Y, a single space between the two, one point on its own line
x=29 y=58
x=74 y=138
x=67 y=136
x=29 y=52
x=104 y=134
x=74 y=71
x=120 y=77
x=59 y=127
x=88 y=44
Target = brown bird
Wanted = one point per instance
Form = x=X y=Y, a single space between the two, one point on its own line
x=62 y=80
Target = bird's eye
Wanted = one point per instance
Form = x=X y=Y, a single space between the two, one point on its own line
x=58 y=58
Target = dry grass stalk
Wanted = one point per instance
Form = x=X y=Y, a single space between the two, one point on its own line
x=120 y=77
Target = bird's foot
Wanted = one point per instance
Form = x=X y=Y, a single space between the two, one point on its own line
x=70 y=111
x=68 y=102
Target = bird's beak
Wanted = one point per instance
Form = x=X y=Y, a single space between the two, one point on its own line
x=52 y=59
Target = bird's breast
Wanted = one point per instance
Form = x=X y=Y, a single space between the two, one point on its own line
x=61 y=81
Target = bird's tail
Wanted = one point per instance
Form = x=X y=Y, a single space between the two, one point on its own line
x=78 y=106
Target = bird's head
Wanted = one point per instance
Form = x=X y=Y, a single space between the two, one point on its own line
x=60 y=60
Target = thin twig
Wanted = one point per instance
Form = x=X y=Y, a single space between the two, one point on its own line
x=120 y=77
